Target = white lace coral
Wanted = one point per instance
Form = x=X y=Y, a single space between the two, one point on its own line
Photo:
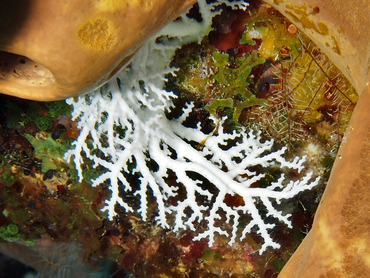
x=135 y=104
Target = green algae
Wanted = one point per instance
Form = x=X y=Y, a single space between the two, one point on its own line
x=10 y=233
x=219 y=79
x=50 y=151
x=58 y=108
x=7 y=177
x=42 y=114
x=232 y=84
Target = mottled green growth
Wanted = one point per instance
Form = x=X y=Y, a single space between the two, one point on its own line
x=232 y=84
x=73 y=174
x=7 y=177
x=42 y=114
x=30 y=242
x=23 y=112
x=14 y=120
x=59 y=108
x=114 y=250
x=12 y=229
x=210 y=255
x=234 y=77
x=278 y=264
x=10 y=233
x=90 y=174
x=271 y=33
x=44 y=122
x=50 y=151
x=212 y=108
x=328 y=161
x=19 y=215
x=247 y=100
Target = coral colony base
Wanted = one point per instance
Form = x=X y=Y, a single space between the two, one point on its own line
x=189 y=162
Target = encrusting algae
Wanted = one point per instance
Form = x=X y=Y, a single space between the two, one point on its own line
x=293 y=92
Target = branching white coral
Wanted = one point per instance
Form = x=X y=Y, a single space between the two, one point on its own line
x=126 y=121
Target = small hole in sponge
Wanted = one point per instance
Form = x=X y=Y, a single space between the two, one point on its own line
x=22 y=71
x=316 y=10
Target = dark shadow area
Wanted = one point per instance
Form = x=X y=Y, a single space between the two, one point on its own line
x=10 y=267
x=13 y=14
